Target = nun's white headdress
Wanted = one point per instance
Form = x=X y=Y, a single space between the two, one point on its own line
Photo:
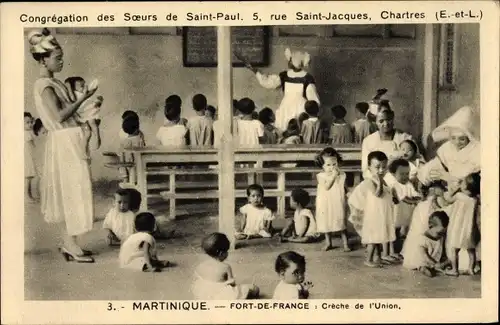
x=466 y=119
x=298 y=59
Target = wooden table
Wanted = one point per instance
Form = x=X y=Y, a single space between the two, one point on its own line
x=250 y=161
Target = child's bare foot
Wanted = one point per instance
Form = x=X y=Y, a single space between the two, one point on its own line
x=327 y=248
x=240 y=236
x=347 y=249
x=112 y=240
x=372 y=264
x=389 y=259
x=451 y=273
x=397 y=256
x=470 y=272
x=427 y=272
x=149 y=268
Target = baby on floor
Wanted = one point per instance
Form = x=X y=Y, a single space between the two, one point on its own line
x=119 y=221
x=302 y=227
x=213 y=278
x=291 y=268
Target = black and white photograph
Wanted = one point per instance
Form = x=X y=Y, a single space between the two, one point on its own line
x=252 y=162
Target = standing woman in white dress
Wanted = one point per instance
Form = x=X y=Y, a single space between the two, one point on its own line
x=297 y=84
x=66 y=189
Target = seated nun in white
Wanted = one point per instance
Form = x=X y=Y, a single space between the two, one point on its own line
x=460 y=155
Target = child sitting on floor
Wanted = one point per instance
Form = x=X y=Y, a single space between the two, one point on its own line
x=434 y=201
x=406 y=198
x=291 y=268
x=200 y=127
x=302 y=226
x=362 y=126
x=312 y=128
x=340 y=131
x=138 y=251
x=213 y=278
x=256 y=218
x=119 y=221
x=428 y=254
x=271 y=133
x=174 y=132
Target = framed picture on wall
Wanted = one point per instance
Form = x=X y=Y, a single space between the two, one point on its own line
x=199 y=46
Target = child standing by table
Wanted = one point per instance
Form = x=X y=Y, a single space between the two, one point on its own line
x=311 y=129
x=340 y=131
x=271 y=133
x=200 y=127
x=372 y=200
x=362 y=126
x=331 y=198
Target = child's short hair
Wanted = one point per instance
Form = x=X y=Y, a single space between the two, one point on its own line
x=37 y=126
x=385 y=104
x=130 y=125
x=255 y=187
x=265 y=115
x=302 y=117
x=199 y=102
x=135 y=199
x=395 y=164
x=211 y=109
x=327 y=152
x=442 y=216
x=172 y=112
x=129 y=113
x=312 y=108
x=377 y=155
x=173 y=100
x=362 y=107
x=73 y=80
x=215 y=243
x=473 y=183
x=339 y=111
x=145 y=222
x=284 y=260
x=439 y=183
x=301 y=196
x=292 y=128
x=122 y=192
x=412 y=144
x=246 y=106
x=27 y=114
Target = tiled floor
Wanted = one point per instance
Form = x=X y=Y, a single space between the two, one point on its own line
x=335 y=274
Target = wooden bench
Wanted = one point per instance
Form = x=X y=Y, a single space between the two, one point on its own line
x=150 y=165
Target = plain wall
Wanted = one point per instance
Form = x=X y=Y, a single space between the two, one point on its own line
x=139 y=71
x=466 y=91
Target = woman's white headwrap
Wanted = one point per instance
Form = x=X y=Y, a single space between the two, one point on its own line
x=42 y=41
x=298 y=59
x=466 y=119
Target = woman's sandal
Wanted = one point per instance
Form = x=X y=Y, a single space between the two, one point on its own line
x=70 y=257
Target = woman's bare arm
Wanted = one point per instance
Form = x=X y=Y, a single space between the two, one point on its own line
x=54 y=104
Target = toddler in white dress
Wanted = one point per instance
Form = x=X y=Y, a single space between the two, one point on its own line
x=406 y=198
x=302 y=226
x=427 y=257
x=463 y=227
x=371 y=203
x=291 y=268
x=119 y=221
x=256 y=218
x=331 y=198
x=138 y=251
x=213 y=278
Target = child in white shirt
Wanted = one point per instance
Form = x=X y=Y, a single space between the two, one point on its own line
x=119 y=221
x=256 y=218
x=303 y=224
x=174 y=132
x=138 y=251
x=291 y=268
